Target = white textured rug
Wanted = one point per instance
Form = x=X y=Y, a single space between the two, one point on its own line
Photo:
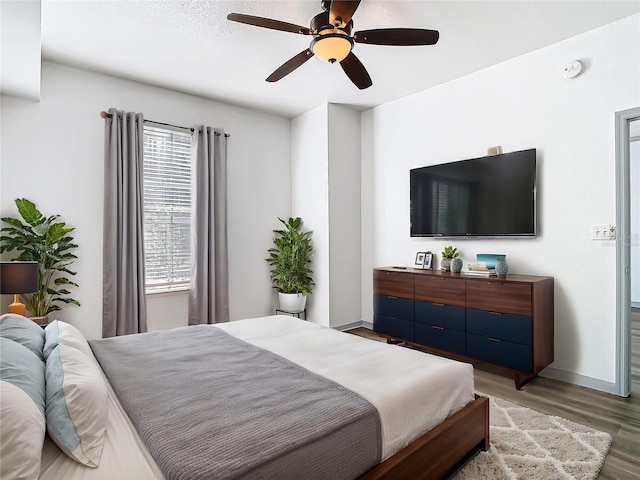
x=526 y=444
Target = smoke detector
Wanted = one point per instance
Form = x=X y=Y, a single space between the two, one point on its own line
x=572 y=70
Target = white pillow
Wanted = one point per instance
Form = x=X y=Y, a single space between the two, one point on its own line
x=21 y=435
x=60 y=332
x=76 y=403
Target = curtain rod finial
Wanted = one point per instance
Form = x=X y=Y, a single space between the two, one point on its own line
x=104 y=114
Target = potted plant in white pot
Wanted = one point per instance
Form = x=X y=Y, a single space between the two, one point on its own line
x=448 y=254
x=47 y=241
x=289 y=259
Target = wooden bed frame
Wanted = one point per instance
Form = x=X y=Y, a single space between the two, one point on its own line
x=443 y=449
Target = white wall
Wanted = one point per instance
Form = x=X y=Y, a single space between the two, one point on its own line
x=53 y=153
x=310 y=200
x=522 y=103
x=326 y=194
x=344 y=215
x=20 y=27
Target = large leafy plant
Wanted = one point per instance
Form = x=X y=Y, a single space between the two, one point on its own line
x=46 y=241
x=290 y=258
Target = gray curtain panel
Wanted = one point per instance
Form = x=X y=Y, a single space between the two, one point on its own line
x=209 y=294
x=124 y=308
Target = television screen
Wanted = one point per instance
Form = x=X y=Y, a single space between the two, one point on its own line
x=493 y=196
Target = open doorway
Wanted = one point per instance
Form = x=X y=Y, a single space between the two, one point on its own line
x=634 y=228
x=628 y=251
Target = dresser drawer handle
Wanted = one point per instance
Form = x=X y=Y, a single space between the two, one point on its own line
x=392 y=297
x=438 y=304
x=491 y=339
x=495 y=313
x=436 y=327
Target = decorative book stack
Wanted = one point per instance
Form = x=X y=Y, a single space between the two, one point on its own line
x=485 y=264
x=479 y=269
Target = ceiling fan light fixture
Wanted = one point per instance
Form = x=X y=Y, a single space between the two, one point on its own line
x=332 y=47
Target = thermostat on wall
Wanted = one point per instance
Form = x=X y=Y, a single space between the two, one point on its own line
x=572 y=70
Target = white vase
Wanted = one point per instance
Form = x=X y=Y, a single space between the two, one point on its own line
x=292 y=302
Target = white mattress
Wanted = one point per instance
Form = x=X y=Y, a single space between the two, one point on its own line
x=412 y=391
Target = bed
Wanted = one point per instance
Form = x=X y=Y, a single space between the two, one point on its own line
x=230 y=401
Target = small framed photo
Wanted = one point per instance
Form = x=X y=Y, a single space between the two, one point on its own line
x=428 y=261
x=425 y=260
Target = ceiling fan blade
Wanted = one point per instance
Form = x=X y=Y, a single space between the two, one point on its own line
x=290 y=65
x=343 y=9
x=397 y=36
x=356 y=71
x=268 y=23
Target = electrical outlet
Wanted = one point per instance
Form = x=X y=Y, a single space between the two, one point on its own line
x=603 y=232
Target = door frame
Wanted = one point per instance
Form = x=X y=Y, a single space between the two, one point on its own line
x=623 y=251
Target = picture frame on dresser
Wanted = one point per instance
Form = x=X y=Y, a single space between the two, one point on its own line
x=424 y=260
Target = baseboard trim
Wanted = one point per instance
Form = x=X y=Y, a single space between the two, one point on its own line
x=349 y=326
x=580 y=380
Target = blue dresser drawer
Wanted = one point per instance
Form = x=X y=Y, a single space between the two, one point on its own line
x=502 y=326
x=395 y=307
x=507 y=354
x=441 y=338
x=393 y=327
x=447 y=316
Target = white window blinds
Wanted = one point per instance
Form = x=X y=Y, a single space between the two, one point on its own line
x=167 y=208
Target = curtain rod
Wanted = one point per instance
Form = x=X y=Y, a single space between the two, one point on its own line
x=105 y=115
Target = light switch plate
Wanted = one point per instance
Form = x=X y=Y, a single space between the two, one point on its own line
x=603 y=232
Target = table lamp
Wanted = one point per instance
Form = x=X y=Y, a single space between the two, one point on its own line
x=17 y=278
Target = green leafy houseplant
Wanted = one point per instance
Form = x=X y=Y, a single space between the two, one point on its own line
x=290 y=257
x=450 y=252
x=46 y=241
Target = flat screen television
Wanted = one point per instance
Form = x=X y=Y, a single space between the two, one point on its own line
x=490 y=197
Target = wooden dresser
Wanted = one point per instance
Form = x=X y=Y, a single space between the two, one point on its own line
x=504 y=322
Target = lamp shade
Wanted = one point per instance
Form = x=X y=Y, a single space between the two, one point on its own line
x=18 y=277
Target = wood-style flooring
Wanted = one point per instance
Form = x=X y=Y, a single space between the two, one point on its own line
x=618 y=416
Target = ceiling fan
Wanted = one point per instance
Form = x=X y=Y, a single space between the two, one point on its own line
x=332 y=40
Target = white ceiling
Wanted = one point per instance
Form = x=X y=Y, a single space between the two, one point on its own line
x=190 y=46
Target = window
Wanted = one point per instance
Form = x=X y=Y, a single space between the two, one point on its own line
x=167 y=209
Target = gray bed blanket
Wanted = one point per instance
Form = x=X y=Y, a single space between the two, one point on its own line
x=210 y=406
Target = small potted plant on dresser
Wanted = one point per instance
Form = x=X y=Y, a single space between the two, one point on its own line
x=289 y=259
x=45 y=240
x=448 y=254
